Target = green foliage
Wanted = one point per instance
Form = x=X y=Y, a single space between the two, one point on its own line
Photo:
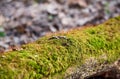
x=2 y=33
x=48 y=56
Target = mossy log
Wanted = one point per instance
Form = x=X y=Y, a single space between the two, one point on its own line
x=52 y=55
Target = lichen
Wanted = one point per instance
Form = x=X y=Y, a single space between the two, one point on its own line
x=53 y=54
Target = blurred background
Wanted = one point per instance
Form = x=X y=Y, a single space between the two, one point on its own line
x=24 y=21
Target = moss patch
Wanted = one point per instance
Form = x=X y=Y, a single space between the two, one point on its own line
x=55 y=53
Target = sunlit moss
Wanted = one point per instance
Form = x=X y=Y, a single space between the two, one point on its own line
x=55 y=53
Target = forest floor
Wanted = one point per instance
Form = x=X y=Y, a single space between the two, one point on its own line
x=24 y=21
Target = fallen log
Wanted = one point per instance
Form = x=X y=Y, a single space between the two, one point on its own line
x=53 y=55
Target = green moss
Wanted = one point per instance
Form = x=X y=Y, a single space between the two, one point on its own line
x=55 y=53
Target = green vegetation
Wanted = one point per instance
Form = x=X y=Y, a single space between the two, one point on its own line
x=2 y=33
x=55 y=53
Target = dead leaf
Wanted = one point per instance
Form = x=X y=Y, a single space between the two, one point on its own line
x=81 y=3
x=2 y=19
